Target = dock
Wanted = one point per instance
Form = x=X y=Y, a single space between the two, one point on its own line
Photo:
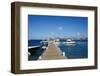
x=52 y=52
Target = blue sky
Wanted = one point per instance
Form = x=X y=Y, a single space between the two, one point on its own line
x=43 y=26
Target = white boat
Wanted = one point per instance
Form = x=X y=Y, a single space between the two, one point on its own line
x=30 y=47
x=44 y=47
x=57 y=41
x=44 y=41
x=69 y=41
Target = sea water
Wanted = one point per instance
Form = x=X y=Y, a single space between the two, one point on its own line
x=34 y=42
x=72 y=51
x=75 y=50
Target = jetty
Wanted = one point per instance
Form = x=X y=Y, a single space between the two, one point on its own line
x=52 y=52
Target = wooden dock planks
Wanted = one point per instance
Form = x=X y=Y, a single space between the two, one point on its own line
x=52 y=53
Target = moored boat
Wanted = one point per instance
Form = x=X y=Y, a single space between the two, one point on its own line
x=70 y=41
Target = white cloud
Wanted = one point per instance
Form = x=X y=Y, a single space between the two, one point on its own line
x=60 y=28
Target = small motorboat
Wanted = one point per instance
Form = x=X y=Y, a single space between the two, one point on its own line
x=70 y=41
x=57 y=41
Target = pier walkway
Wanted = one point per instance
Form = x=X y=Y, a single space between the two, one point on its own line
x=52 y=52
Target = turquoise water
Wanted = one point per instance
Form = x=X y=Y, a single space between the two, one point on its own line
x=77 y=50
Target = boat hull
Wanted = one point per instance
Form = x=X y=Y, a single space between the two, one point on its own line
x=72 y=42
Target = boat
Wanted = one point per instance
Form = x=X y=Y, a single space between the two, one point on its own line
x=33 y=47
x=44 y=43
x=70 y=41
x=57 y=41
x=44 y=47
